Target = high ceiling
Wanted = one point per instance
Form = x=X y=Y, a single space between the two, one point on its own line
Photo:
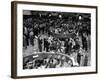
x=48 y=14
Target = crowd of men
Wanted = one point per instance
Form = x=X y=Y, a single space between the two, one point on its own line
x=53 y=32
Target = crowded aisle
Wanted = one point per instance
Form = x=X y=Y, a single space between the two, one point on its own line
x=56 y=39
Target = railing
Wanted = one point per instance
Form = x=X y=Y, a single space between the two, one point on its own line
x=37 y=54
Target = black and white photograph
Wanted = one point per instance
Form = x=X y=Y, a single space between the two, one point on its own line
x=53 y=39
x=56 y=39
